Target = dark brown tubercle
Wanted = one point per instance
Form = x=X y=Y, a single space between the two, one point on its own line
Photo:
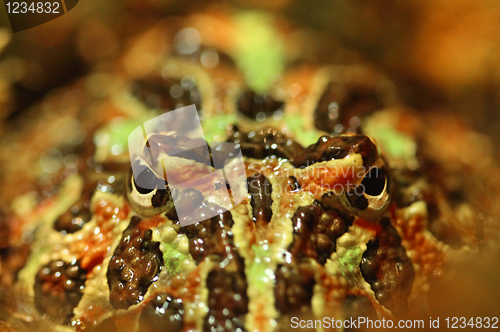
x=134 y=265
x=258 y=106
x=342 y=105
x=387 y=268
x=166 y=93
x=227 y=297
x=260 y=189
x=163 y=312
x=58 y=289
x=315 y=230
x=210 y=237
x=265 y=143
x=76 y=216
x=294 y=287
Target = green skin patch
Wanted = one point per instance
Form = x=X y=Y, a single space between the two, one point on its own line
x=259 y=51
x=350 y=249
x=119 y=132
x=295 y=123
x=259 y=271
x=394 y=143
x=116 y=135
x=173 y=258
x=349 y=263
x=215 y=126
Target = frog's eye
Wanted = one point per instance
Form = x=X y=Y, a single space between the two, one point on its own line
x=370 y=199
x=375 y=182
x=146 y=181
x=147 y=194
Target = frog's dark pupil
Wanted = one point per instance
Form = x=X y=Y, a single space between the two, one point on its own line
x=374 y=181
x=147 y=181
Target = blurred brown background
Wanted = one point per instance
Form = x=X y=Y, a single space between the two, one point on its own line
x=441 y=53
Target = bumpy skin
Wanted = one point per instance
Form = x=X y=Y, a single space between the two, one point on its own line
x=58 y=289
x=103 y=253
x=315 y=231
x=265 y=143
x=134 y=265
x=387 y=268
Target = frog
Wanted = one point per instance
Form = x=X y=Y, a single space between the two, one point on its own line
x=351 y=207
